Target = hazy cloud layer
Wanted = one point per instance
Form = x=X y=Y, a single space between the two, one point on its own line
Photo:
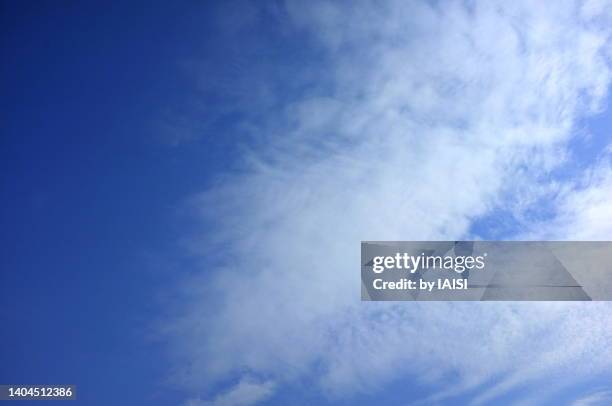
x=431 y=116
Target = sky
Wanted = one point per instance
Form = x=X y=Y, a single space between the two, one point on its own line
x=185 y=188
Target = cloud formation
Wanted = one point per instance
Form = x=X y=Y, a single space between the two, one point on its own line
x=427 y=117
x=603 y=397
x=583 y=207
x=246 y=392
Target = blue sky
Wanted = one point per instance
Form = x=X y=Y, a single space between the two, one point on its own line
x=167 y=173
x=88 y=192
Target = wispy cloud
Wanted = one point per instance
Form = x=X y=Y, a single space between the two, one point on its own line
x=603 y=397
x=430 y=116
x=583 y=208
x=246 y=392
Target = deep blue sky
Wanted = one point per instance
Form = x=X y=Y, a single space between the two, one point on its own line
x=89 y=190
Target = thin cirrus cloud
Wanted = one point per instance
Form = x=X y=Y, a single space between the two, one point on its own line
x=599 y=398
x=431 y=116
x=583 y=207
x=246 y=392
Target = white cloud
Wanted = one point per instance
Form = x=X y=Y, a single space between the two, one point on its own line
x=246 y=392
x=583 y=207
x=430 y=114
x=594 y=399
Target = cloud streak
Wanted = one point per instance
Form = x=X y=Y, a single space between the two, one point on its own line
x=597 y=398
x=246 y=392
